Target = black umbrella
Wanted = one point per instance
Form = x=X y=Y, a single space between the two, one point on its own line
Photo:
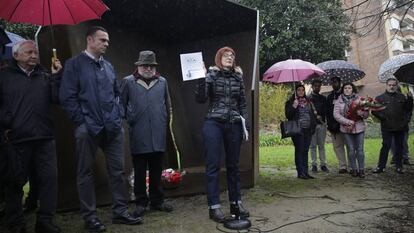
x=389 y=67
x=405 y=73
x=346 y=71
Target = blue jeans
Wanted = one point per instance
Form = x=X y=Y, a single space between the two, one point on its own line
x=355 y=149
x=215 y=135
x=302 y=143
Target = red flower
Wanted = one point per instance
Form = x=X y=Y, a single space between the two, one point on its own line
x=362 y=104
x=172 y=176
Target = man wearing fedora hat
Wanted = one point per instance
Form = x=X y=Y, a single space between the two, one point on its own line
x=147 y=108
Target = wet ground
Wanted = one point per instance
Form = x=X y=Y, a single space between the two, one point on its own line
x=282 y=203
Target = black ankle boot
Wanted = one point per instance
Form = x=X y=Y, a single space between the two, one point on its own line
x=46 y=227
x=242 y=211
x=216 y=215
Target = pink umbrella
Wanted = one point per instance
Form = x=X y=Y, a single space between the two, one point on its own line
x=292 y=70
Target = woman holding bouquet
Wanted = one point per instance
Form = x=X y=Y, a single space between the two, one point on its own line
x=300 y=109
x=349 y=113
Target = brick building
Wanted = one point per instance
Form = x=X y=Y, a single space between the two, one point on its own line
x=377 y=38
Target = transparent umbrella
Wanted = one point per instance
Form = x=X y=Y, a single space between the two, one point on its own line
x=390 y=66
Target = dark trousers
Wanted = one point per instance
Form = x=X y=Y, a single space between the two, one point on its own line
x=40 y=155
x=387 y=138
x=33 y=195
x=405 y=152
x=113 y=148
x=215 y=135
x=301 y=143
x=152 y=162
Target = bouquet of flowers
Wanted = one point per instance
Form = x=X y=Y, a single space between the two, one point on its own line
x=171 y=178
x=364 y=104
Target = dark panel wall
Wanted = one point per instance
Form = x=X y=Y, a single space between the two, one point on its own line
x=125 y=45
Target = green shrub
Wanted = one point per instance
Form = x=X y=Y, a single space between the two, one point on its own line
x=273 y=140
x=272 y=104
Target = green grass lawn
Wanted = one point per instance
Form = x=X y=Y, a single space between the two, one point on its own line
x=282 y=157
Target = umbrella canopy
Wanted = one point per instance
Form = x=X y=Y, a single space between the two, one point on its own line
x=346 y=71
x=7 y=52
x=392 y=64
x=51 y=12
x=292 y=70
x=405 y=73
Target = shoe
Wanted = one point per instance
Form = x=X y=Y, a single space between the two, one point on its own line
x=216 y=215
x=302 y=176
x=406 y=162
x=343 y=171
x=243 y=213
x=314 y=168
x=378 y=170
x=139 y=211
x=309 y=176
x=361 y=174
x=399 y=171
x=94 y=225
x=46 y=227
x=18 y=229
x=354 y=173
x=126 y=219
x=165 y=207
x=324 y=169
x=392 y=161
x=29 y=206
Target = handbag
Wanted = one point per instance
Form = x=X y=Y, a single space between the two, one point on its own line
x=290 y=128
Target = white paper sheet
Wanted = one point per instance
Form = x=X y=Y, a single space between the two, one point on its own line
x=245 y=132
x=192 y=66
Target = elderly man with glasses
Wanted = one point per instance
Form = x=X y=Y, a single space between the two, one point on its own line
x=147 y=109
x=394 y=123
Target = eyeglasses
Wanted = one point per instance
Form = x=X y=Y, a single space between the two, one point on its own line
x=231 y=56
x=148 y=66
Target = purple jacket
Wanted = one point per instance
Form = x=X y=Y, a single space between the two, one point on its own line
x=344 y=122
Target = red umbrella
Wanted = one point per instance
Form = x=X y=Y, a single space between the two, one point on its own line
x=292 y=70
x=51 y=12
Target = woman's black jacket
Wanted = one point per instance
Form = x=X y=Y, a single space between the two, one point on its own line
x=226 y=92
x=292 y=113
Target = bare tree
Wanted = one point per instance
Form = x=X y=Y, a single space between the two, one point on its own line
x=368 y=16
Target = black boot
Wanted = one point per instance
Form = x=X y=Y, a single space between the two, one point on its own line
x=46 y=227
x=17 y=229
x=239 y=207
x=216 y=215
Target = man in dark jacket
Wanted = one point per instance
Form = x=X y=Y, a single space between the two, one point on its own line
x=147 y=108
x=90 y=95
x=338 y=140
x=26 y=92
x=394 y=123
x=318 y=138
